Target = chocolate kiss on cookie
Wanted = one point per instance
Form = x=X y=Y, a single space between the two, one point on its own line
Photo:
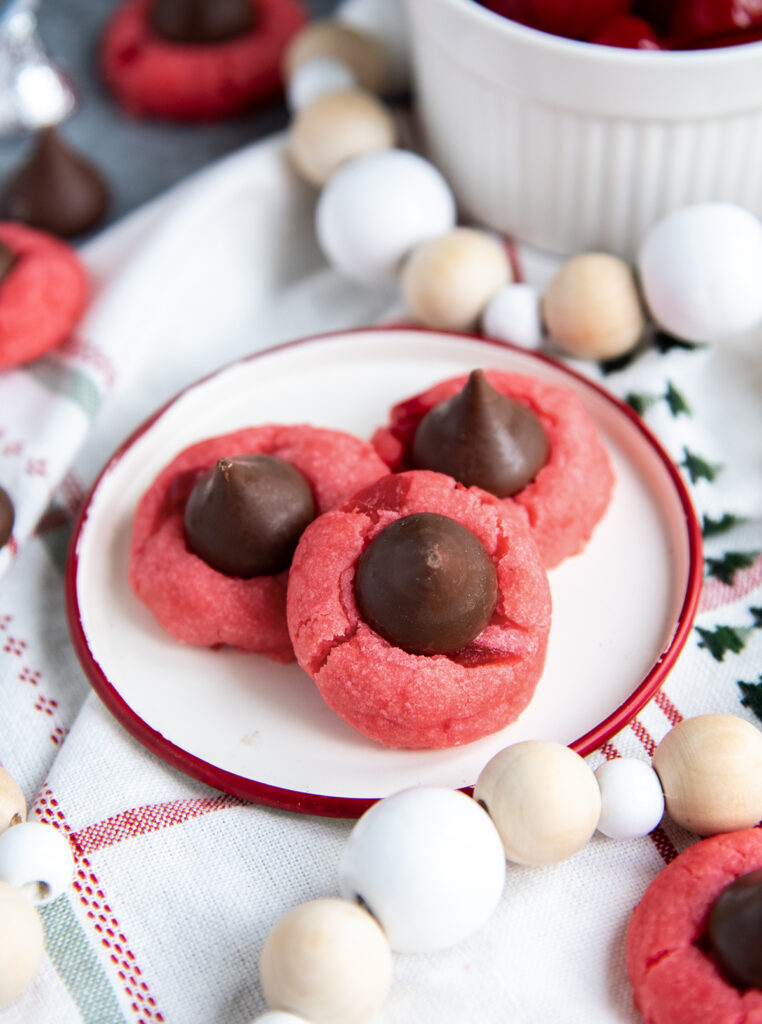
x=7 y=517
x=734 y=928
x=201 y=21
x=56 y=190
x=482 y=439
x=245 y=516
x=426 y=584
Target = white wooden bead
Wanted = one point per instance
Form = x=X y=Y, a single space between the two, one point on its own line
x=360 y=52
x=543 y=799
x=711 y=773
x=377 y=208
x=328 y=961
x=36 y=858
x=700 y=271
x=386 y=21
x=336 y=128
x=632 y=801
x=428 y=864
x=21 y=942
x=591 y=307
x=513 y=314
x=447 y=281
x=316 y=78
x=12 y=802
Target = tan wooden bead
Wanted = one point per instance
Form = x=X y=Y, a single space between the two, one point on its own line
x=327 y=960
x=591 y=307
x=543 y=799
x=447 y=281
x=362 y=54
x=335 y=128
x=12 y=803
x=21 y=942
x=711 y=773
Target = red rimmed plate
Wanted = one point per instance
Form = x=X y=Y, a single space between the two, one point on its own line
x=622 y=609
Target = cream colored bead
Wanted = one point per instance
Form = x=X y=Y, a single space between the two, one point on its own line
x=711 y=773
x=12 y=803
x=328 y=961
x=591 y=307
x=447 y=281
x=335 y=128
x=21 y=943
x=363 y=55
x=543 y=799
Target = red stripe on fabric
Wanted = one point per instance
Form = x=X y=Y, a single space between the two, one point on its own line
x=716 y=594
x=643 y=735
x=664 y=844
x=140 y=821
x=610 y=752
x=90 y=892
x=671 y=713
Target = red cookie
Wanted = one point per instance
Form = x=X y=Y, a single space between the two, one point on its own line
x=675 y=980
x=193 y=601
x=412 y=700
x=151 y=77
x=41 y=298
x=570 y=493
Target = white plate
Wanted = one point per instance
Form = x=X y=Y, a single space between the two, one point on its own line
x=621 y=610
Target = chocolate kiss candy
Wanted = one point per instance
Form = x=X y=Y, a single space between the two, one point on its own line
x=201 y=21
x=7 y=517
x=734 y=931
x=245 y=516
x=56 y=190
x=7 y=259
x=426 y=584
x=482 y=439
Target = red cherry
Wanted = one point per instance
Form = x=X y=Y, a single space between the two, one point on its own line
x=629 y=32
x=658 y=13
x=694 y=20
x=576 y=19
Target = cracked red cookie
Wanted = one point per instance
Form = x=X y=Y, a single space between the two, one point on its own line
x=389 y=694
x=569 y=494
x=155 y=76
x=43 y=293
x=199 y=604
x=674 y=975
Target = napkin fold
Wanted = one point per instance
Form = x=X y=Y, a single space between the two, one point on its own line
x=176 y=885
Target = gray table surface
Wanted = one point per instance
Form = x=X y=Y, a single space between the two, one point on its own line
x=140 y=158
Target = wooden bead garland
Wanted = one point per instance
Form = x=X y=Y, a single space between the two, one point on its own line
x=21 y=945
x=544 y=802
x=592 y=307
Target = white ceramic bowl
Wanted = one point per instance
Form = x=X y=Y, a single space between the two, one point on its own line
x=571 y=146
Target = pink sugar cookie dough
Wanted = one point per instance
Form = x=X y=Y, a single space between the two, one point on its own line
x=42 y=297
x=570 y=493
x=674 y=979
x=193 y=601
x=410 y=700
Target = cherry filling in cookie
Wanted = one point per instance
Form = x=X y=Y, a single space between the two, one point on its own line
x=214 y=534
x=421 y=610
x=528 y=443
x=693 y=944
x=43 y=293
x=196 y=59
